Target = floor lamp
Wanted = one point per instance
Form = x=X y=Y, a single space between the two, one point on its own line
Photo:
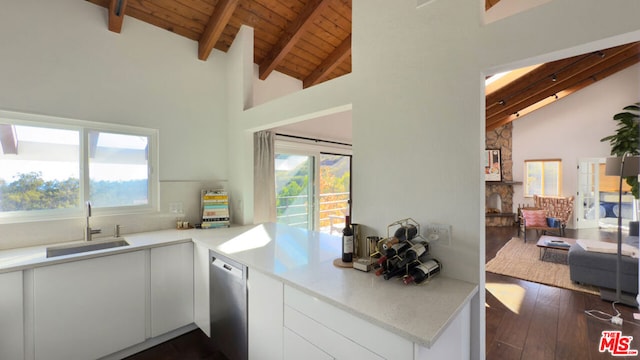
x=624 y=166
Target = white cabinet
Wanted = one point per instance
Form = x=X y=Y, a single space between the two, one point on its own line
x=265 y=316
x=455 y=341
x=339 y=333
x=201 y=288
x=295 y=347
x=11 y=316
x=89 y=308
x=171 y=287
x=328 y=340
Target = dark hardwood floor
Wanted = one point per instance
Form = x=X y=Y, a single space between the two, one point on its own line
x=194 y=345
x=526 y=320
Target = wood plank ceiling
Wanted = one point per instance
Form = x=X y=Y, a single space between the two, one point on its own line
x=552 y=81
x=310 y=40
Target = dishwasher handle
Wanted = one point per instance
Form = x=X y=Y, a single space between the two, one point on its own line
x=227 y=268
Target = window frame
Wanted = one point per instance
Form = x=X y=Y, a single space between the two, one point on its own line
x=526 y=191
x=293 y=146
x=84 y=127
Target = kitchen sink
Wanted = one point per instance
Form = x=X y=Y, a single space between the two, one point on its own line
x=60 y=250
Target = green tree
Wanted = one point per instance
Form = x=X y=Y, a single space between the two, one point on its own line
x=30 y=192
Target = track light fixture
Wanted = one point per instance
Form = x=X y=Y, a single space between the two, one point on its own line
x=554 y=78
x=601 y=54
x=517 y=114
x=502 y=102
x=556 y=96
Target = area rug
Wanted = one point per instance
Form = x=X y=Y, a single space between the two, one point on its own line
x=522 y=260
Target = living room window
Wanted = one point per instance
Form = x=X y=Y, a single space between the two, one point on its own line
x=49 y=167
x=543 y=177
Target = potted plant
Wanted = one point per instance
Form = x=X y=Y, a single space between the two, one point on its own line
x=627 y=140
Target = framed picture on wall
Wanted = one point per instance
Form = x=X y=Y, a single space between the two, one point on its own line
x=492 y=166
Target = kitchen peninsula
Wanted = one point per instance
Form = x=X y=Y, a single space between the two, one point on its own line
x=293 y=285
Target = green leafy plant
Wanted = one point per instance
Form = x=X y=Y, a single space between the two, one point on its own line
x=627 y=139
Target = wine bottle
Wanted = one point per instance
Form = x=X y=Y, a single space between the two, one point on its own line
x=403 y=233
x=394 y=250
x=399 y=270
x=347 y=241
x=423 y=272
x=388 y=265
x=414 y=252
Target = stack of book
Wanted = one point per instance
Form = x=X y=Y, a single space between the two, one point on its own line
x=557 y=242
x=215 y=209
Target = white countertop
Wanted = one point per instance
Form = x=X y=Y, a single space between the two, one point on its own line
x=303 y=259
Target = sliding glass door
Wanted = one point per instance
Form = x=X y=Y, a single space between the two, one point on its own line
x=313 y=188
x=335 y=191
x=294 y=190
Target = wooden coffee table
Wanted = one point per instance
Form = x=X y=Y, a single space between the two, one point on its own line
x=547 y=242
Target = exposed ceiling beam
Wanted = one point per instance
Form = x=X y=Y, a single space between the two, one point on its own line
x=218 y=21
x=8 y=139
x=329 y=64
x=496 y=100
x=290 y=36
x=548 y=79
x=116 y=14
x=616 y=59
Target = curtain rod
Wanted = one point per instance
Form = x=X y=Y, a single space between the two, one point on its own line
x=312 y=139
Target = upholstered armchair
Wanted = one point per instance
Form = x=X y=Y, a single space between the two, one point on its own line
x=558 y=207
x=535 y=218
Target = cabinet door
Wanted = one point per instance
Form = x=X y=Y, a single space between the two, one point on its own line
x=11 y=320
x=265 y=316
x=340 y=333
x=171 y=287
x=296 y=347
x=89 y=308
x=201 y=288
x=453 y=343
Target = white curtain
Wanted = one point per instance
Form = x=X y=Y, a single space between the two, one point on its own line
x=264 y=177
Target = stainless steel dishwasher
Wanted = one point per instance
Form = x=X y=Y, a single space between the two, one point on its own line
x=228 y=306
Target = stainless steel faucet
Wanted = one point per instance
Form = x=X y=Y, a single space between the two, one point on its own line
x=88 y=231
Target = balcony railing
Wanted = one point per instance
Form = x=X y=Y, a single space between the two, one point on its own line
x=333 y=207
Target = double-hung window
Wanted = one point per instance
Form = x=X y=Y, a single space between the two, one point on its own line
x=543 y=177
x=50 y=167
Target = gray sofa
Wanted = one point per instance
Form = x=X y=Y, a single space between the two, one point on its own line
x=598 y=269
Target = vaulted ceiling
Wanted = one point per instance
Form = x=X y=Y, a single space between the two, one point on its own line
x=526 y=90
x=310 y=40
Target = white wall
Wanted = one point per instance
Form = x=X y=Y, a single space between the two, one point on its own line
x=273 y=87
x=418 y=107
x=74 y=67
x=70 y=65
x=571 y=128
x=334 y=127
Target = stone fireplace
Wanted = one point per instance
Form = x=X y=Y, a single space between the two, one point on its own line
x=494 y=203
x=499 y=204
x=499 y=194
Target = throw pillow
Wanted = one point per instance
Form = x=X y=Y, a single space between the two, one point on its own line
x=536 y=218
